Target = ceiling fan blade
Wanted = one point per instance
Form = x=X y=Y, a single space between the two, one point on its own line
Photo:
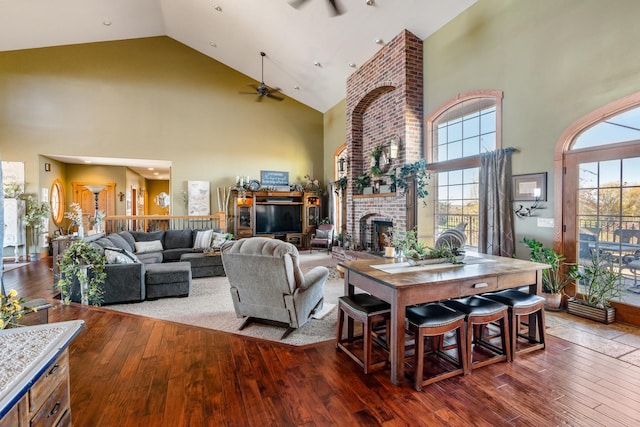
x=259 y=98
x=276 y=97
x=297 y=3
x=337 y=10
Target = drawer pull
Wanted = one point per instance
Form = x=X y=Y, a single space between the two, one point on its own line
x=53 y=369
x=481 y=285
x=55 y=409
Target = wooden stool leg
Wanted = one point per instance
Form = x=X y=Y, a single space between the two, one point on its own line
x=366 y=327
x=340 y=325
x=419 y=353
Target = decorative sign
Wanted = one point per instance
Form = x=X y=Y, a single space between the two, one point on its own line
x=274 y=178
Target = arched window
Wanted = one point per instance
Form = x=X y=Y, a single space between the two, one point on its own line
x=600 y=204
x=457 y=132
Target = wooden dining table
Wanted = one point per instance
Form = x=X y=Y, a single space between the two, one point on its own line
x=403 y=285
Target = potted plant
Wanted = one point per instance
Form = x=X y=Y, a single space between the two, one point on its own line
x=600 y=283
x=554 y=279
x=363 y=180
x=36 y=213
x=84 y=264
x=419 y=253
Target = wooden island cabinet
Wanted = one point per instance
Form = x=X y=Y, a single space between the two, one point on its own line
x=34 y=377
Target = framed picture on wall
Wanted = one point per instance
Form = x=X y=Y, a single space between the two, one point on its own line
x=529 y=187
x=198 y=198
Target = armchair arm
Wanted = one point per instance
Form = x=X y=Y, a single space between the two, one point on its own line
x=317 y=274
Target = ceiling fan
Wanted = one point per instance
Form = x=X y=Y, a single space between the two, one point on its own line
x=337 y=10
x=262 y=90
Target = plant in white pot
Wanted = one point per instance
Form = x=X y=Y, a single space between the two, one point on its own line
x=599 y=284
x=554 y=279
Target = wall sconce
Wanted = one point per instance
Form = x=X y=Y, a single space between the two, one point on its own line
x=393 y=146
x=121 y=196
x=523 y=212
x=343 y=164
x=47 y=167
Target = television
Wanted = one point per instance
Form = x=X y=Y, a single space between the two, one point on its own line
x=278 y=219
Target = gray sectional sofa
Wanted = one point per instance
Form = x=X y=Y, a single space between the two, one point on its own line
x=150 y=265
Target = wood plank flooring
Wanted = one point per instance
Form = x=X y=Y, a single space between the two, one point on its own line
x=134 y=371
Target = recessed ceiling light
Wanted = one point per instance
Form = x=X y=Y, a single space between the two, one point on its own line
x=369 y=2
x=317 y=64
x=213 y=44
x=379 y=41
x=156 y=173
x=150 y=169
x=106 y=23
x=352 y=65
x=296 y=87
x=217 y=7
x=87 y=161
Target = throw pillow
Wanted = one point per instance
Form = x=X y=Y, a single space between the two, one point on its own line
x=119 y=256
x=203 y=239
x=218 y=240
x=322 y=234
x=145 y=247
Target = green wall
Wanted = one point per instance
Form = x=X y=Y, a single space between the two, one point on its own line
x=554 y=60
x=151 y=98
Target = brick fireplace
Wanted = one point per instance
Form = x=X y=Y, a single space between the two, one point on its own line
x=384 y=100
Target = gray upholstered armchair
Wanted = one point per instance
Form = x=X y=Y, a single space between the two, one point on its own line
x=267 y=284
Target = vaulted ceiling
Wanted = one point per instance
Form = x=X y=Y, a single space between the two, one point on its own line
x=309 y=52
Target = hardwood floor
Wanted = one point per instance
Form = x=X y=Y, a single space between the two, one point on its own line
x=133 y=371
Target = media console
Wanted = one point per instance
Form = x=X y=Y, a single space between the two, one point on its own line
x=291 y=216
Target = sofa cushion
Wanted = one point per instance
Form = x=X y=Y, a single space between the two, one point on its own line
x=119 y=242
x=151 y=258
x=146 y=247
x=172 y=255
x=217 y=239
x=128 y=237
x=203 y=239
x=142 y=236
x=97 y=247
x=119 y=256
x=174 y=239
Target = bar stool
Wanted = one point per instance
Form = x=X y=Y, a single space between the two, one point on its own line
x=368 y=310
x=479 y=312
x=434 y=320
x=522 y=304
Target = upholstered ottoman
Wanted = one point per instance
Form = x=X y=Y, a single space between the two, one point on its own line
x=204 y=265
x=170 y=279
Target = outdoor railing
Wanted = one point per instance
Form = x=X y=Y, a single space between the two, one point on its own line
x=117 y=223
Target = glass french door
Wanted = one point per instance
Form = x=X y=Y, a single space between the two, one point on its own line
x=602 y=210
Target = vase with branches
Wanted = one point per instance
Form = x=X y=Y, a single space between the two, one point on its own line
x=36 y=213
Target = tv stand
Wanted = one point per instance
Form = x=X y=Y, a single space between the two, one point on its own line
x=245 y=202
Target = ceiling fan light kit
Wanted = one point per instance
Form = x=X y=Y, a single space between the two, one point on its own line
x=262 y=90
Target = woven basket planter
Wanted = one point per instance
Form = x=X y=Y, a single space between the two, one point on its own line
x=602 y=315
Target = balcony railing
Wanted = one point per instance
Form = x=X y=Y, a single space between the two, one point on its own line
x=117 y=223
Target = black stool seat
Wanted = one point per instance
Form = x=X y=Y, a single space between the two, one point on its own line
x=481 y=312
x=433 y=321
x=523 y=304
x=365 y=303
x=476 y=305
x=369 y=311
x=514 y=298
x=432 y=315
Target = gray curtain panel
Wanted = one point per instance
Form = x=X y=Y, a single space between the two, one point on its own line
x=496 y=235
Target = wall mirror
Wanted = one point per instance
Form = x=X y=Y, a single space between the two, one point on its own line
x=56 y=200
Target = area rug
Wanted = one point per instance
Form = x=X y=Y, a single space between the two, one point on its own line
x=209 y=305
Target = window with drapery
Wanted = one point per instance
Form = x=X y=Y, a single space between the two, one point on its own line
x=457 y=133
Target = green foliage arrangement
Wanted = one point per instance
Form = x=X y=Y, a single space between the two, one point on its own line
x=341 y=184
x=36 y=212
x=554 y=280
x=79 y=259
x=599 y=280
x=376 y=154
x=363 y=180
x=416 y=171
x=413 y=248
